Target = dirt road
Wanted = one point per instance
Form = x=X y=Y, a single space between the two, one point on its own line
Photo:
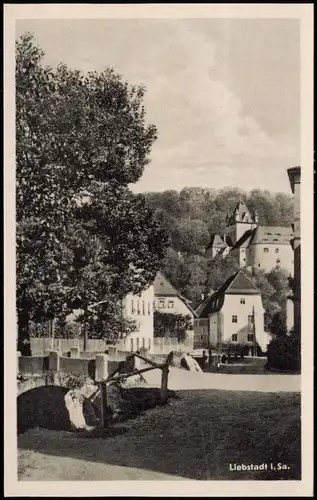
x=184 y=380
x=196 y=436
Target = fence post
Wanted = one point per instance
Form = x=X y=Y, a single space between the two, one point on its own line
x=136 y=363
x=101 y=374
x=53 y=361
x=164 y=381
x=74 y=352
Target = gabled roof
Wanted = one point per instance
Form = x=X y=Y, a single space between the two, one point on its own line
x=237 y=284
x=216 y=242
x=272 y=235
x=244 y=214
x=163 y=287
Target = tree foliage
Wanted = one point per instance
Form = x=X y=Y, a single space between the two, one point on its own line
x=171 y=325
x=82 y=235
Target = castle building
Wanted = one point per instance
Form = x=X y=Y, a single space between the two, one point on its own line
x=254 y=246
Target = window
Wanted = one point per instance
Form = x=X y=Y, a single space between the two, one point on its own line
x=250 y=337
x=139 y=310
x=170 y=304
x=250 y=318
x=143 y=307
x=265 y=250
x=276 y=250
x=161 y=303
x=242 y=301
x=234 y=319
x=149 y=308
x=234 y=337
x=259 y=265
x=132 y=307
x=204 y=329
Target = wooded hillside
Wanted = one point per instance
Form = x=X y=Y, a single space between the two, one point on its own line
x=192 y=215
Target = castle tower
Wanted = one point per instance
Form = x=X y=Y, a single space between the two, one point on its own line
x=240 y=221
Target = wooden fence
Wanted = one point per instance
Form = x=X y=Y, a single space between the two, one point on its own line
x=124 y=371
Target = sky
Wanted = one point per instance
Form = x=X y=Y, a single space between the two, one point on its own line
x=223 y=93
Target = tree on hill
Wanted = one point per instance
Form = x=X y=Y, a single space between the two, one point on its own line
x=219 y=270
x=82 y=236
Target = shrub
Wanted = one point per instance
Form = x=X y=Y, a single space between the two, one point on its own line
x=283 y=353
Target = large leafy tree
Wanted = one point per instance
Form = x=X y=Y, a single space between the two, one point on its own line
x=82 y=236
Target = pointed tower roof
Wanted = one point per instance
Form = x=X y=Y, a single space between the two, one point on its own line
x=244 y=214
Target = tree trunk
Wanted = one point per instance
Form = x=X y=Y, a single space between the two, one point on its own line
x=24 y=345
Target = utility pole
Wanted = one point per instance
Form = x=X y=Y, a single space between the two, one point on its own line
x=208 y=325
x=254 y=334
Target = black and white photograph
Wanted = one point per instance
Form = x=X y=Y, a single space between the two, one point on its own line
x=162 y=187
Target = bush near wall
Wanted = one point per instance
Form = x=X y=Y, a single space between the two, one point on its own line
x=283 y=353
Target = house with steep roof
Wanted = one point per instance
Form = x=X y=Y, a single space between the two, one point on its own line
x=255 y=246
x=233 y=315
x=168 y=300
